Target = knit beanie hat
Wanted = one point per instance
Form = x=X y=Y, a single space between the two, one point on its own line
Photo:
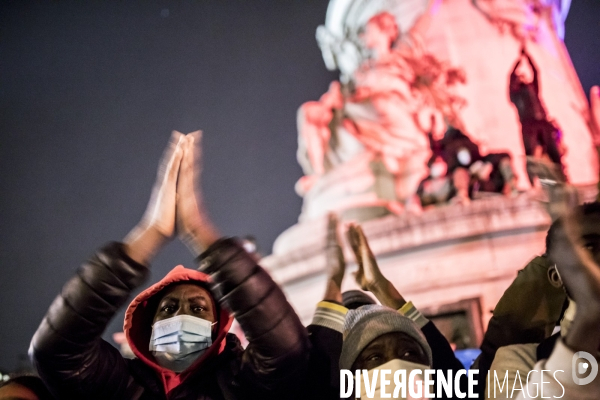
x=352 y=299
x=367 y=323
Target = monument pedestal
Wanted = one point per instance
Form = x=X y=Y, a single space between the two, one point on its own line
x=437 y=259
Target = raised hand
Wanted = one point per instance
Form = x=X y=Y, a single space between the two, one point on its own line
x=369 y=276
x=562 y=198
x=335 y=263
x=157 y=226
x=160 y=212
x=193 y=224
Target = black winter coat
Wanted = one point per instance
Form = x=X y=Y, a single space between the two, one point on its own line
x=75 y=363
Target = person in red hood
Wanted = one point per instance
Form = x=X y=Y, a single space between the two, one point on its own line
x=178 y=327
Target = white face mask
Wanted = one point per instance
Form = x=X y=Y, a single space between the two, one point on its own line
x=179 y=341
x=393 y=366
x=464 y=157
x=437 y=170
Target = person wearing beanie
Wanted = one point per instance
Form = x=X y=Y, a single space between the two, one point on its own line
x=327 y=327
x=379 y=338
x=367 y=334
x=353 y=299
x=369 y=278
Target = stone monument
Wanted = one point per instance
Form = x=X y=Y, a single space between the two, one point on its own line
x=409 y=69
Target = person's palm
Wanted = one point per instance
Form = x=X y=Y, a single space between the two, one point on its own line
x=368 y=275
x=161 y=209
x=336 y=264
x=188 y=207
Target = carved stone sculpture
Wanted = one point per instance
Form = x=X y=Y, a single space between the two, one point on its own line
x=386 y=103
x=466 y=252
x=411 y=67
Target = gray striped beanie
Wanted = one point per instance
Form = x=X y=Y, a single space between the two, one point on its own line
x=367 y=323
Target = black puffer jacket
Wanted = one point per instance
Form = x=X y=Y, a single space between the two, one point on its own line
x=75 y=363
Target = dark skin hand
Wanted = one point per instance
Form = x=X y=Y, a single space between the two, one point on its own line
x=194 y=226
x=388 y=347
x=336 y=264
x=369 y=276
x=157 y=226
x=185 y=299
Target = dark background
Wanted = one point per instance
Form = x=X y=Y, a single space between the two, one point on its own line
x=89 y=92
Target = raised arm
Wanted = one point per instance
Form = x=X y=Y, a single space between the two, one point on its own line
x=369 y=277
x=534 y=81
x=277 y=353
x=513 y=74
x=157 y=226
x=67 y=349
x=325 y=331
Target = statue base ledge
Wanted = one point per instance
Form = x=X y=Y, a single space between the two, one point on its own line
x=444 y=255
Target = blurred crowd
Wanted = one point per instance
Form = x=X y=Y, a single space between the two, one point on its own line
x=458 y=173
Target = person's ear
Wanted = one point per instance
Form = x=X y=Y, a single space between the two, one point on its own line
x=554 y=277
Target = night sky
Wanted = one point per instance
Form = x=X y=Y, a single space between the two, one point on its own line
x=89 y=93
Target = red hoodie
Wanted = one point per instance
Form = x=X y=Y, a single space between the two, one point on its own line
x=140 y=315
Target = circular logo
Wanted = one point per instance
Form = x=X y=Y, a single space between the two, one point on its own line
x=581 y=367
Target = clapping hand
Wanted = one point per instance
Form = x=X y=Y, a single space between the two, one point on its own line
x=175 y=204
x=368 y=276
x=157 y=226
x=193 y=225
x=335 y=266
